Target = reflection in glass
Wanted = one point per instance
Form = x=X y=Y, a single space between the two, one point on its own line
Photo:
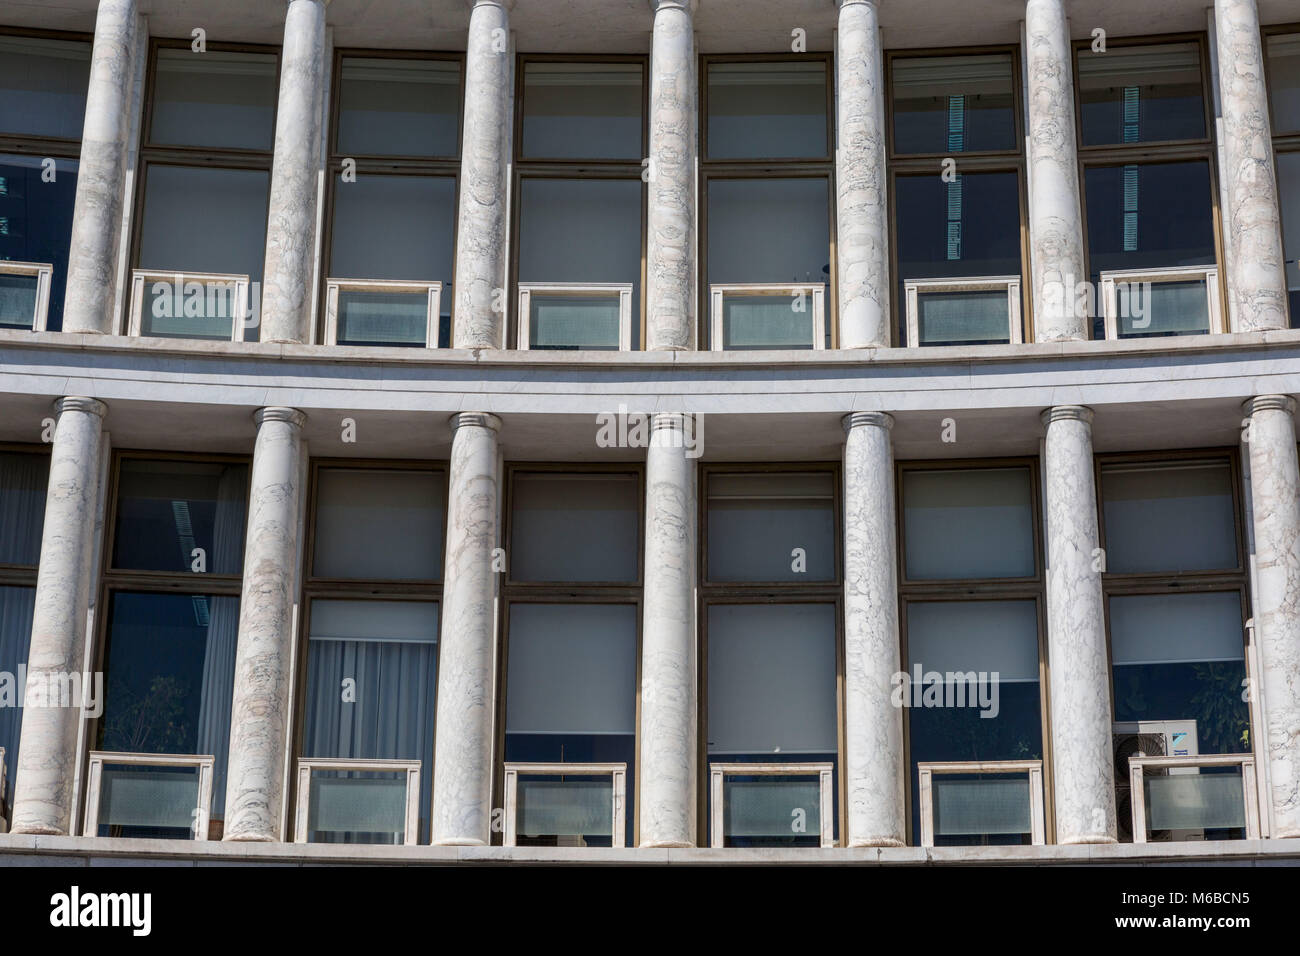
x=1288 y=170
x=963 y=318
x=582 y=111
x=559 y=322
x=954 y=104
x=991 y=808
x=18 y=300
x=398 y=107
x=36 y=224
x=169 y=678
x=766 y=322
x=1284 y=81
x=767 y=110
x=43 y=86
x=1141 y=94
x=350 y=806
x=148 y=802
x=760 y=810
x=219 y=99
x=383 y=318
x=571 y=810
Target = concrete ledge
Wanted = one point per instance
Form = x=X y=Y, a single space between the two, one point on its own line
x=25 y=850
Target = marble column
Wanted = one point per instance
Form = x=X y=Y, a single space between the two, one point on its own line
x=862 y=193
x=1055 y=219
x=462 y=763
x=260 y=715
x=1275 y=497
x=670 y=254
x=874 y=768
x=481 y=254
x=47 y=749
x=1255 y=273
x=101 y=177
x=1082 y=754
x=668 y=650
x=290 y=270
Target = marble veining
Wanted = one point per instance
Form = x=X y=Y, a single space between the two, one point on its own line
x=264 y=656
x=462 y=766
x=47 y=750
x=873 y=741
x=1083 y=761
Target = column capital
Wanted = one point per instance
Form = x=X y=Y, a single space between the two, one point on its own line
x=278 y=413
x=1269 y=403
x=664 y=421
x=690 y=6
x=858 y=419
x=475 y=420
x=74 y=403
x=1067 y=413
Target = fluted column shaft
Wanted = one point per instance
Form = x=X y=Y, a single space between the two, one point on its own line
x=47 y=749
x=484 y=180
x=1056 y=223
x=1275 y=498
x=264 y=655
x=1256 y=276
x=874 y=769
x=462 y=765
x=101 y=176
x=668 y=649
x=861 y=186
x=1083 y=762
x=671 y=254
x=290 y=265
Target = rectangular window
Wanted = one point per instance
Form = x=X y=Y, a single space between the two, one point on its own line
x=565 y=804
x=398 y=107
x=220 y=98
x=583 y=110
x=1193 y=798
x=575 y=527
x=1141 y=94
x=374 y=524
x=24 y=295
x=954 y=104
x=43 y=86
x=756 y=803
x=767 y=110
x=1283 y=51
x=1288 y=169
x=1000 y=798
x=766 y=527
x=968 y=524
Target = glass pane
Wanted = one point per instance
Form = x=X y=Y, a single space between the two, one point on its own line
x=1169 y=517
x=772 y=683
x=963 y=318
x=379 y=525
x=398 y=107
x=582 y=111
x=969 y=805
x=1162 y=308
x=965 y=229
x=572 y=669
x=18 y=301
x=190 y=309
x=167 y=509
x=771 y=811
x=383 y=318
x=16 y=608
x=565 y=811
x=574 y=322
x=766 y=322
x=1288 y=169
x=357 y=807
x=1196 y=801
x=226 y=100
x=1284 y=81
x=957 y=639
x=1141 y=94
x=205 y=221
x=567 y=527
x=769 y=230
x=757 y=521
x=975 y=523
x=36 y=223
x=1148 y=216
x=954 y=104
x=580 y=231
x=1180 y=657
x=23 y=481
x=157 y=802
x=43 y=86
x=395 y=227
x=170 y=675
x=767 y=110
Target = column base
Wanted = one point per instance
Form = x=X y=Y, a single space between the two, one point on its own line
x=40 y=831
x=666 y=845
x=459 y=841
x=1089 y=841
x=869 y=843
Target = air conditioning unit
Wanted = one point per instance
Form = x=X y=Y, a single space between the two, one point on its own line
x=1151 y=738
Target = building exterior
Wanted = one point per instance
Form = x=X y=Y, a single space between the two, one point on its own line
x=600 y=430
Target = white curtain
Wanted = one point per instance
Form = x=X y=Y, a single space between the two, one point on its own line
x=23 y=478
x=217 y=694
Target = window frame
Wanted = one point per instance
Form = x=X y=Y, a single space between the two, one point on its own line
x=822 y=168
x=1154 y=154
x=525 y=168
x=982 y=161
x=380 y=164
x=304 y=767
x=709 y=594
x=190 y=157
x=971 y=590
x=585 y=592
x=96 y=759
x=1286 y=141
